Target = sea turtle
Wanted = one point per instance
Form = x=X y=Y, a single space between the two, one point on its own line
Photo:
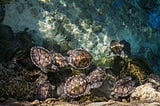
x=44 y=91
x=76 y=86
x=42 y=58
x=79 y=58
x=60 y=60
x=116 y=47
x=120 y=48
x=96 y=77
x=124 y=87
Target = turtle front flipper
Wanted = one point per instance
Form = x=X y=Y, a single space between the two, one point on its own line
x=60 y=60
x=54 y=67
x=43 y=69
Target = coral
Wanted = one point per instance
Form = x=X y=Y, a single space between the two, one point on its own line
x=145 y=93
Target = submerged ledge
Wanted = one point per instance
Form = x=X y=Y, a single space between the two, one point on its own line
x=50 y=102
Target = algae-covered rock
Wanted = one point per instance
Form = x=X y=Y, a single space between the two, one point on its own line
x=8 y=43
x=136 y=67
x=5 y=1
x=145 y=93
x=15 y=84
x=2 y=12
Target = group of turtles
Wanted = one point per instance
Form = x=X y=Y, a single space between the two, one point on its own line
x=45 y=59
x=78 y=85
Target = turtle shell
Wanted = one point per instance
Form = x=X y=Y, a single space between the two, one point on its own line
x=96 y=77
x=41 y=57
x=60 y=60
x=116 y=47
x=44 y=91
x=76 y=86
x=79 y=58
x=124 y=87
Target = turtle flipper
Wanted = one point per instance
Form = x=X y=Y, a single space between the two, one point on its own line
x=54 y=67
x=44 y=69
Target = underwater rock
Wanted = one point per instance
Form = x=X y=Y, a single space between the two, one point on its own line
x=5 y=1
x=79 y=58
x=25 y=39
x=18 y=88
x=16 y=84
x=5 y=71
x=54 y=102
x=155 y=81
x=148 y=5
x=145 y=93
x=22 y=55
x=6 y=32
x=8 y=43
x=21 y=59
x=21 y=43
x=2 y=12
x=117 y=65
x=135 y=67
x=139 y=69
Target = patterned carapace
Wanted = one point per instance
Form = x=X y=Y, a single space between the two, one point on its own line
x=79 y=58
